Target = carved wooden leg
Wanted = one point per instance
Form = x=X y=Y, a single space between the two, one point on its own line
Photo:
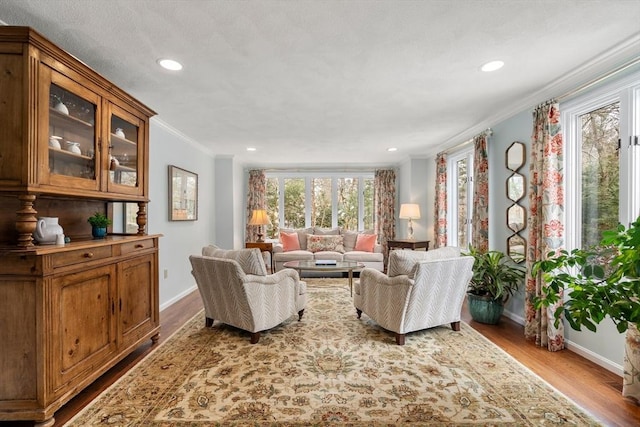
x=141 y=217
x=26 y=220
x=300 y=313
x=155 y=339
x=358 y=312
x=400 y=339
x=208 y=322
x=455 y=326
x=255 y=337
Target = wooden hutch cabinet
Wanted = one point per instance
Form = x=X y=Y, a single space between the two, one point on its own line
x=71 y=144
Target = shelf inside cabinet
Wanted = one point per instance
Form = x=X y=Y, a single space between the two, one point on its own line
x=55 y=115
x=68 y=154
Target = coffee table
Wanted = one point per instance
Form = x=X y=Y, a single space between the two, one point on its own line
x=338 y=267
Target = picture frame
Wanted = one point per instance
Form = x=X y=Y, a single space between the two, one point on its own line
x=183 y=194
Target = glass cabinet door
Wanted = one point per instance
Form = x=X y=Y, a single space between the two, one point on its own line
x=72 y=135
x=125 y=156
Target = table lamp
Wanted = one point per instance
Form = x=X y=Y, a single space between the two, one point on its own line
x=410 y=211
x=259 y=217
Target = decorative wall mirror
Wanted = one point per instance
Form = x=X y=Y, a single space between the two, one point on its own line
x=516 y=190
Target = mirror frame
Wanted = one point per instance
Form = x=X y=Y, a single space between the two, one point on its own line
x=524 y=186
x=515 y=158
x=511 y=151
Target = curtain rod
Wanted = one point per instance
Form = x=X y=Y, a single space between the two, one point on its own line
x=329 y=170
x=487 y=132
x=597 y=80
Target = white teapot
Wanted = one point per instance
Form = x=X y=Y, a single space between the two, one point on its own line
x=47 y=230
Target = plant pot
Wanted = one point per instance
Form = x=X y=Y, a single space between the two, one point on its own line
x=98 y=232
x=485 y=309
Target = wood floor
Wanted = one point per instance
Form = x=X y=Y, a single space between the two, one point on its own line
x=590 y=386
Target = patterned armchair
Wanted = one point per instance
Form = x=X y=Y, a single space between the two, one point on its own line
x=236 y=290
x=422 y=290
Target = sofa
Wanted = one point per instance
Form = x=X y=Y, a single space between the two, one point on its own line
x=315 y=243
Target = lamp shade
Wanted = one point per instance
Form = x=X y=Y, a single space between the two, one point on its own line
x=409 y=211
x=259 y=217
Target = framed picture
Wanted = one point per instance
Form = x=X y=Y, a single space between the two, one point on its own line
x=183 y=195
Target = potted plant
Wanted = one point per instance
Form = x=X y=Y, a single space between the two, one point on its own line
x=495 y=278
x=601 y=282
x=99 y=223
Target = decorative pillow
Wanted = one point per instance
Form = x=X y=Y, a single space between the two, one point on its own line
x=350 y=238
x=366 y=242
x=302 y=235
x=289 y=241
x=250 y=260
x=316 y=243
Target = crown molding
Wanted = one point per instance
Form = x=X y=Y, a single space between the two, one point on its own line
x=161 y=123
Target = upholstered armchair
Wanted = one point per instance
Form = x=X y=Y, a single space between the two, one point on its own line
x=420 y=290
x=236 y=290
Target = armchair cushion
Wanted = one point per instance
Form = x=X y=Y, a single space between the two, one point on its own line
x=250 y=260
x=405 y=262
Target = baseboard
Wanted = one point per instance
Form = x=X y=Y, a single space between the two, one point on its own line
x=595 y=358
x=579 y=350
x=178 y=297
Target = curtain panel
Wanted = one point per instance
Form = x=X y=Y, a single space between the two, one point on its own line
x=545 y=219
x=440 y=208
x=480 y=218
x=384 y=204
x=255 y=200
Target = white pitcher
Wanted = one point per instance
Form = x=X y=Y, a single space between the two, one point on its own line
x=47 y=230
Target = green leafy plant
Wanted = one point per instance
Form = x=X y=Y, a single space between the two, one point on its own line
x=494 y=275
x=99 y=220
x=601 y=281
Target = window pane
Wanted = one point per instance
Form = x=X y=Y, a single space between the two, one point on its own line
x=321 y=202
x=348 y=203
x=294 y=203
x=600 y=172
x=463 y=218
x=368 y=219
x=273 y=208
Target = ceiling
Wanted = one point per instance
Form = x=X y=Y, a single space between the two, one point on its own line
x=338 y=81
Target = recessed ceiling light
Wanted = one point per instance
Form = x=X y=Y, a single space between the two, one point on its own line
x=392 y=149
x=492 y=66
x=251 y=148
x=170 y=64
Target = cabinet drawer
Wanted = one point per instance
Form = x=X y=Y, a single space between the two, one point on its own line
x=81 y=255
x=140 y=245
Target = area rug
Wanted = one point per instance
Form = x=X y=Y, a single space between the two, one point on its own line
x=329 y=369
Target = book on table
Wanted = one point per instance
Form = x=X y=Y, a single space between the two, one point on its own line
x=326 y=262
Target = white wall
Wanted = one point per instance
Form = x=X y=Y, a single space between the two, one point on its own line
x=180 y=238
x=416 y=178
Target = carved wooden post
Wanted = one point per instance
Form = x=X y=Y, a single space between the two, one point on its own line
x=26 y=220
x=141 y=217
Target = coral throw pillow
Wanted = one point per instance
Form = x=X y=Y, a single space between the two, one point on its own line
x=366 y=242
x=289 y=241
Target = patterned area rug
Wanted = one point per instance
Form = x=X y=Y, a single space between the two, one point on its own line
x=329 y=369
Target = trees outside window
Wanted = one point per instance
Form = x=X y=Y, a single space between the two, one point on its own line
x=300 y=200
x=460 y=190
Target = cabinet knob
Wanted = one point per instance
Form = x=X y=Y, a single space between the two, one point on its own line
x=139 y=245
x=88 y=255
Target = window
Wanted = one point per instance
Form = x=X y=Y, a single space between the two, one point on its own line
x=322 y=200
x=460 y=197
x=601 y=130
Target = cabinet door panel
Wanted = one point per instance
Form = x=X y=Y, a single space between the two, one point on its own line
x=127 y=156
x=70 y=134
x=82 y=320
x=137 y=298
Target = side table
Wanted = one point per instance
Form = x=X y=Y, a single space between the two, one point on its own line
x=408 y=244
x=264 y=247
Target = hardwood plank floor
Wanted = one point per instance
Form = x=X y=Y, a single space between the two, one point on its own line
x=590 y=386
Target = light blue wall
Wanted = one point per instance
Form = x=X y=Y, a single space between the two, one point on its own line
x=415 y=185
x=180 y=238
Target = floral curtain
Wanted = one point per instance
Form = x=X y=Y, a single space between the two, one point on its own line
x=384 y=188
x=546 y=223
x=480 y=219
x=255 y=200
x=440 y=208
